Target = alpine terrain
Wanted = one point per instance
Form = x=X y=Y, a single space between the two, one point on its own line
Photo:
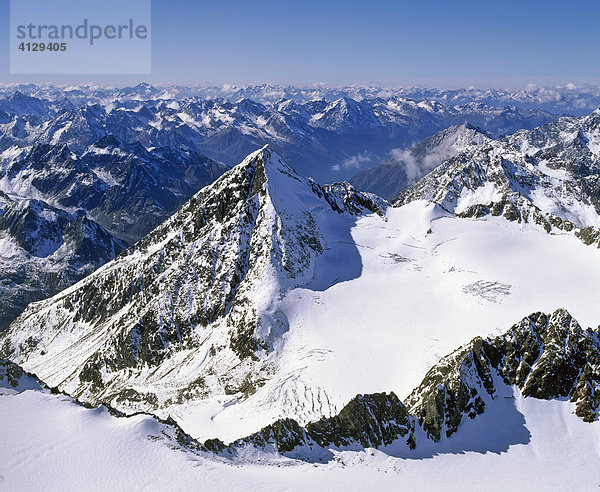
x=198 y=324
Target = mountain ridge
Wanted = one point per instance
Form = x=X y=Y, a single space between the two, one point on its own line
x=553 y=184
x=535 y=355
x=219 y=263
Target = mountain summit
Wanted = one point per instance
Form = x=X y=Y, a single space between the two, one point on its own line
x=405 y=167
x=549 y=176
x=191 y=311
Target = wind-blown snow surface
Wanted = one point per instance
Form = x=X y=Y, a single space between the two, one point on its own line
x=51 y=443
x=420 y=295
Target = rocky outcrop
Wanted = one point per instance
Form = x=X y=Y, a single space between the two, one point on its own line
x=373 y=420
x=14 y=379
x=10 y=373
x=545 y=356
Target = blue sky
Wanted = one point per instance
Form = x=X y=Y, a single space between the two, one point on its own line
x=433 y=43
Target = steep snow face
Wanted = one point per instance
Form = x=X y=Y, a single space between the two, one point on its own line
x=193 y=311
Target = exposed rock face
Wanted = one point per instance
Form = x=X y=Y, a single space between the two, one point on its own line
x=44 y=250
x=14 y=379
x=552 y=357
x=458 y=386
x=544 y=356
x=196 y=299
x=367 y=421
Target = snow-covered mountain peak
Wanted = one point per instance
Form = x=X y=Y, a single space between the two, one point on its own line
x=109 y=145
x=498 y=179
x=452 y=141
x=596 y=112
x=407 y=166
x=549 y=176
x=266 y=161
x=200 y=296
x=468 y=129
x=293 y=195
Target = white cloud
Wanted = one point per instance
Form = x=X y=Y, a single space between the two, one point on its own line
x=412 y=168
x=354 y=162
x=415 y=168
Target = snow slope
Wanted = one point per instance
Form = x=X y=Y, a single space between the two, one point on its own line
x=428 y=283
x=419 y=296
x=50 y=442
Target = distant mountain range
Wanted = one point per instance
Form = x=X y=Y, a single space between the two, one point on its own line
x=73 y=203
x=329 y=140
x=128 y=189
x=43 y=250
x=570 y=98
